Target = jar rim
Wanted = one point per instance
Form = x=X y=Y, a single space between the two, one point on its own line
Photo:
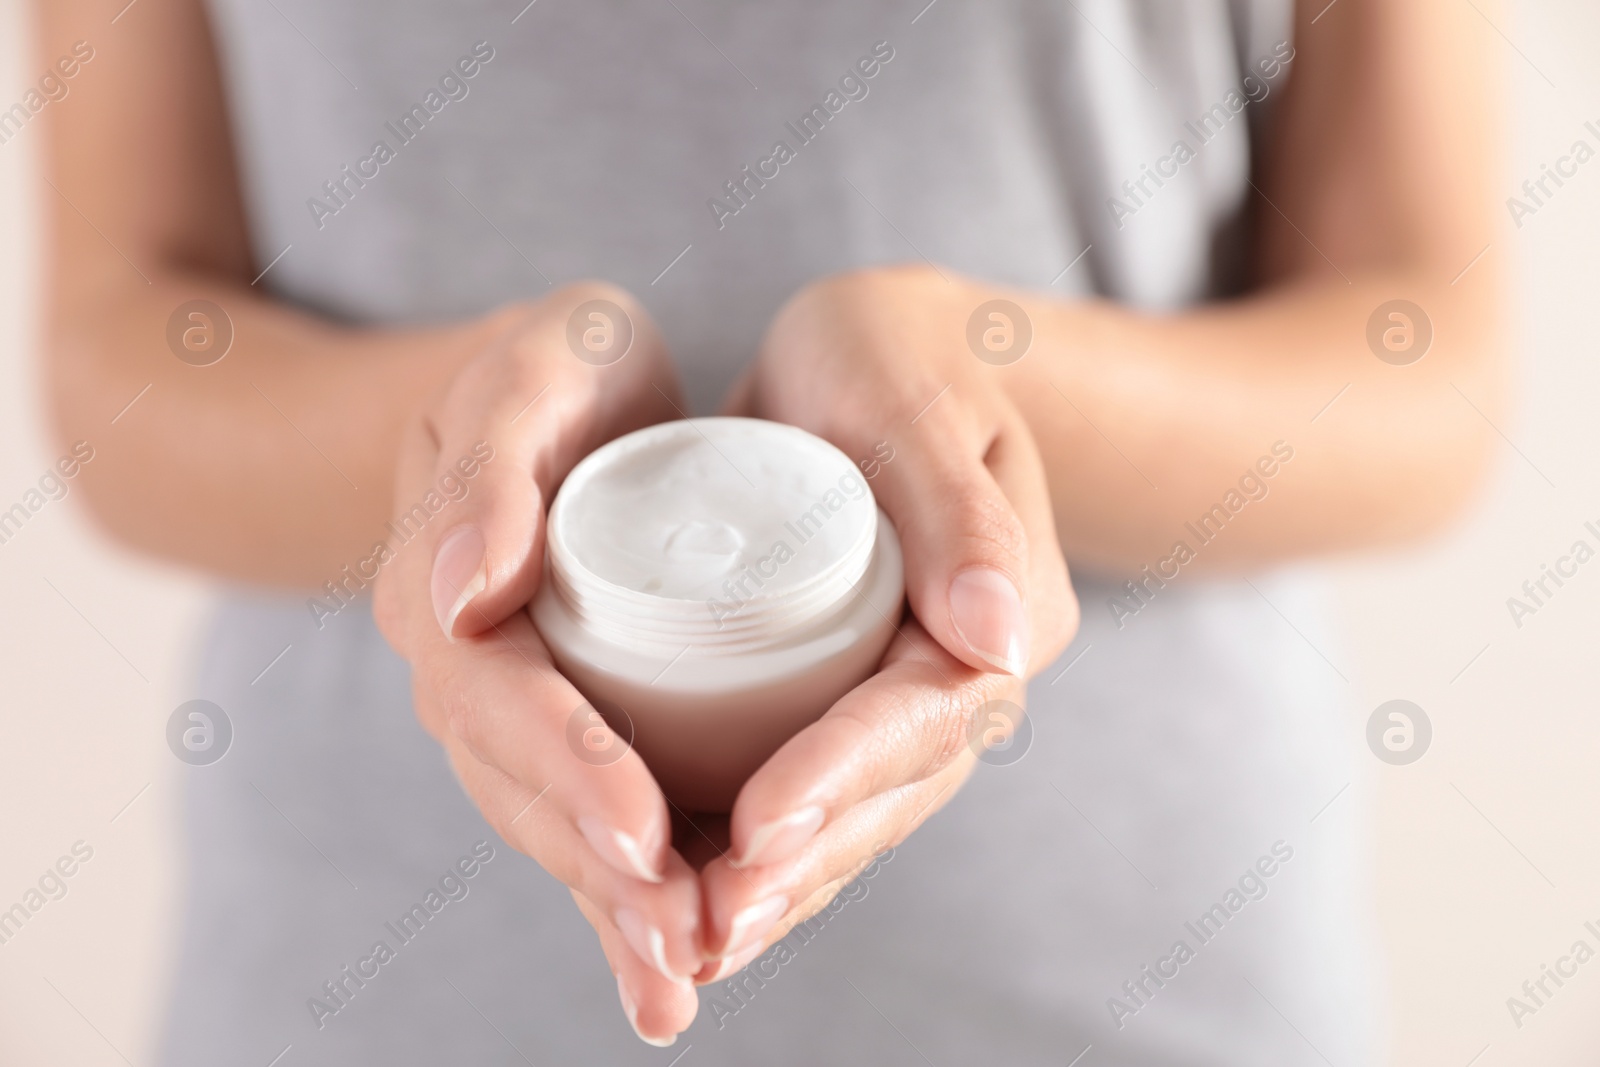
x=760 y=609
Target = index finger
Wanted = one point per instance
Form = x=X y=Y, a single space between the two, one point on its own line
x=906 y=723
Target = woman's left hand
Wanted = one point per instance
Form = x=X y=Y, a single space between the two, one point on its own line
x=878 y=362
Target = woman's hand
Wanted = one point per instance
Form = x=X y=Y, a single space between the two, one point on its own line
x=879 y=363
x=565 y=375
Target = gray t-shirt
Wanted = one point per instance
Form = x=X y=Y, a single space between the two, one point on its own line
x=415 y=163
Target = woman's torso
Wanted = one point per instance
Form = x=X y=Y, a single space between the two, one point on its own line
x=1171 y=750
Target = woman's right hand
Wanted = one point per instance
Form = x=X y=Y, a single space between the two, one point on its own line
x=563 y=376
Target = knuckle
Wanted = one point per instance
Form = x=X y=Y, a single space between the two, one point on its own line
x=558 y=308
x=516 y=367
x=991 y=529
x=465 y=721
x=503 y=378
x=591 y=879
x=919 y=738
x=859 y=415
x=817 y=293
x=495 y=794
x=947 y=733
x=866 y=282
x=547 y=346
x=572 y=294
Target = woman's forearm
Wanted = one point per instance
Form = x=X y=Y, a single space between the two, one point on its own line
x=1262 y=429
x=273 y=465
x=1380 y=159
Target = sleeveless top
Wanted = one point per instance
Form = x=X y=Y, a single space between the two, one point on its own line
x=1158 y=879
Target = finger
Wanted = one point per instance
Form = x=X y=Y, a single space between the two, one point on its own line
x=657 y=1008
x=1014 y=462
x=966 y=548
x=906 y=723
x=512 y=426
x=499 y=695
x=718 y=968
x=751 y=908
x=658 y=921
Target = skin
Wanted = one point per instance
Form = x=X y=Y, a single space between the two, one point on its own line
x=1380 y=159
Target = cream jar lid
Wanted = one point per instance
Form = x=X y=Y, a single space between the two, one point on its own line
x=725 y=534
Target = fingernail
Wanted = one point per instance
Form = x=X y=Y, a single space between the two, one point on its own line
x=988 y=614
x=647 y=941
x=780 y=838
x=733 y=964
x=631 y=1010
x=621 y=850
x=751 y=924
x=459 y=575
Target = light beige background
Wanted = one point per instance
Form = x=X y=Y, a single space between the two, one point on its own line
x=93 y=647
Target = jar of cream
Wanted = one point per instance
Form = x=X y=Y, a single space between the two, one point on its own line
x=718 y=583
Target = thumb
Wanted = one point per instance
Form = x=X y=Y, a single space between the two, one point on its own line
x=965 y=544
x=533 y=408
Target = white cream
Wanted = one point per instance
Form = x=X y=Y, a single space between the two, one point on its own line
x=722 y=581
